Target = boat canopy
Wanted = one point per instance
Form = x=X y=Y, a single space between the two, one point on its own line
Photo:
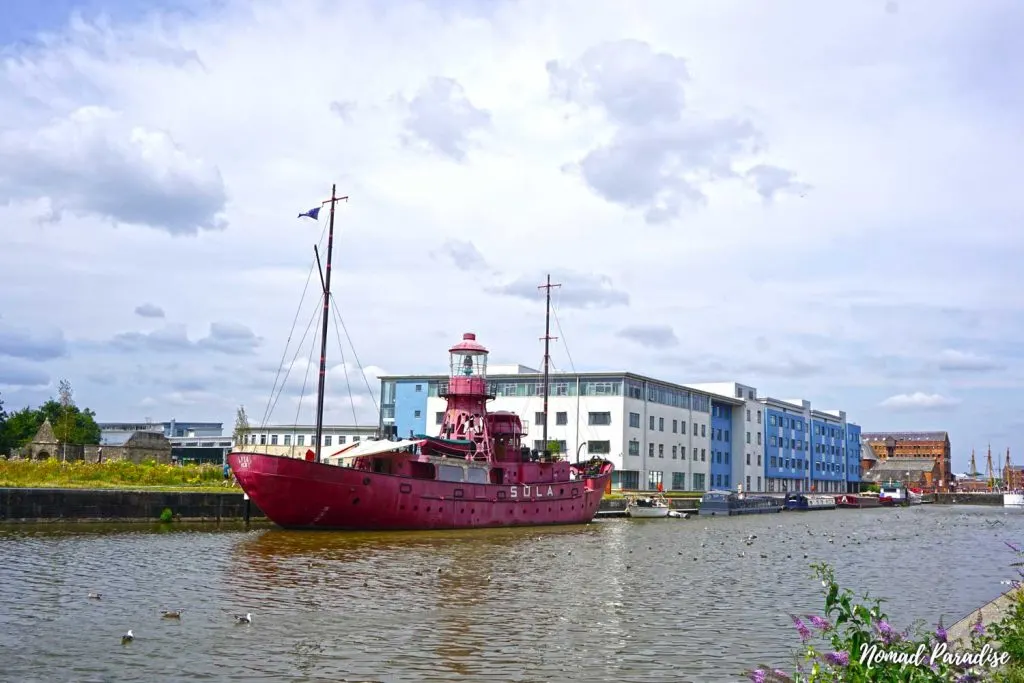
x=365 y=448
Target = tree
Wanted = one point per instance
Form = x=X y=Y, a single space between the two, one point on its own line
x=64 y=426
x=242 y=428
x=5 y=445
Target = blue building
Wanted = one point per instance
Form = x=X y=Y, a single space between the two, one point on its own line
x=720 y=467
x=853 y=457
x=787 y=461
x=828 y=457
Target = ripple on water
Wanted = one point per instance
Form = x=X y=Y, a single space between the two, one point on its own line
x=613 y=601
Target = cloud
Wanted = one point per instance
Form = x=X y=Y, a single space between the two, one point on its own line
x=94 y=162
x=343 y=110
x=651 y=336
x=919 y=401
x=20 y=342
x=578 y=290
x=15 y=373
x=951 y=360
x=659 y=174
x=149 y=311
x=463 y=254
x=442 y=118
x=229 y=338
x=662 y=155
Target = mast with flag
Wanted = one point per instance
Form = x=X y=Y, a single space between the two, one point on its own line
x=325 y=282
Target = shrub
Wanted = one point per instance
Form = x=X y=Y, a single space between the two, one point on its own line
x=167 y=515
x=54 y=473
x=839 y=645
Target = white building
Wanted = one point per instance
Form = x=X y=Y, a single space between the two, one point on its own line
x=655 y=432
x=295 y=440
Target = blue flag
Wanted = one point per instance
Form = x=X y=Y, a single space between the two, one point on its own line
x=312 y=213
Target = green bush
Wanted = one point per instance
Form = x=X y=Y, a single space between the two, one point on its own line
x=52 y=473
x=167 y=515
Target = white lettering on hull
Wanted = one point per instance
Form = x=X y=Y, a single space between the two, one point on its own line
x=536 y=491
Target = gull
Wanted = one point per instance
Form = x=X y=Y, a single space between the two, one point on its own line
x=95 y=596
x=243 y=618
x=127 y=637
x=172 y=614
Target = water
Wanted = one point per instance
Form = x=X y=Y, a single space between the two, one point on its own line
x=617 y=600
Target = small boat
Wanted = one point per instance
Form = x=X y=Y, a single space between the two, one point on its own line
x=854 y=500
x=897 y=495
x=810 y=501
x=1013 y=499
x=645 y=507
x=727 y=503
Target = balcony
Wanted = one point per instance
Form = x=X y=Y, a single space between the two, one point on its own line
x=491 y=391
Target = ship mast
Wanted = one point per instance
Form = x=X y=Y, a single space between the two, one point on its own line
x=547 y=357
x=325 y=281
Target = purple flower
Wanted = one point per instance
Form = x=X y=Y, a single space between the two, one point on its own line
x=940 y=632
x=968 y=678
x=758 y=675
x=838 y=658
x=886 y=631
x=780 y=672
x=819 y=623
x=979 y=628
x=801 y=627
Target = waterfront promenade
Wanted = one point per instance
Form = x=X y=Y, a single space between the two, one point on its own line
x=644 y=601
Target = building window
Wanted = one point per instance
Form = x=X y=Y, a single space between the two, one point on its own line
x=439 y=417
x=598 y=419
x=626 y=479
x=703 y=455
x=327 y=440
x=759 y=438
x=759 y=483
x=634 y=420
x=654 y=480
x=273 y=439
x=562 y=418
x=300 y=440
x=759 y=417
x=695 y=454
x=698 y=481
x=675 y=426
x=538 y=419
x=682 y=427
x=652 y=423
x=341 y=440
x=748 y=414
x=419 y=387
x=748 y=437
x=703 y=430
x=661 y=450
x=418 y=414
x=675 y=452
x=771 y=420
x=263 y=439
x=679 y=481
x=650 y=450
x=599 y=447
x=661 y=424
x=634 y=447
x=287 y=439
x=748 y=483
x=748 y=462
x=726 y=436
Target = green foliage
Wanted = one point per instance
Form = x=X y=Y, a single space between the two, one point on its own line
x=554 y=447
x=70 y=424
x=52 y=473
x=167 y=515
x=870 y=488
x=241 y=426
x=5 y=447
x=847 y=645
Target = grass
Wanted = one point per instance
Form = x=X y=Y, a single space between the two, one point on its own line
x=120 y=474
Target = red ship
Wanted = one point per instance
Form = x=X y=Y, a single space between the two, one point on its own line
x=476 y=474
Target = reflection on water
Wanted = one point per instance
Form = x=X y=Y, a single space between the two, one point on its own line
x=615 y=600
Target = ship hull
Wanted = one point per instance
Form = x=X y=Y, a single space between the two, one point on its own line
x=300 y=494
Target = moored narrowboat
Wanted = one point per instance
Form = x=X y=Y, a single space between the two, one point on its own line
x=727 y=503
x=854 y=500
x=810 y=501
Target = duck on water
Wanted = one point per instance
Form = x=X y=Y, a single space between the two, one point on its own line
x=476 y=473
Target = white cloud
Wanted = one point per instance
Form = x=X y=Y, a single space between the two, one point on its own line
x=792 y=219
x=919 y=401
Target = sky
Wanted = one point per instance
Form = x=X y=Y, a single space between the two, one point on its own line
x=816 y=199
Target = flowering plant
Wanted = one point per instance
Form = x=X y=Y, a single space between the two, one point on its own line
x=854 y=642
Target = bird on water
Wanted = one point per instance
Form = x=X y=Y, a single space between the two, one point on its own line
x=243 y=618
x=172 y=614
x=127 y=637
x=95 y=596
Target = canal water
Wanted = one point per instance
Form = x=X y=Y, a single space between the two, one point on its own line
x=617 y=600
